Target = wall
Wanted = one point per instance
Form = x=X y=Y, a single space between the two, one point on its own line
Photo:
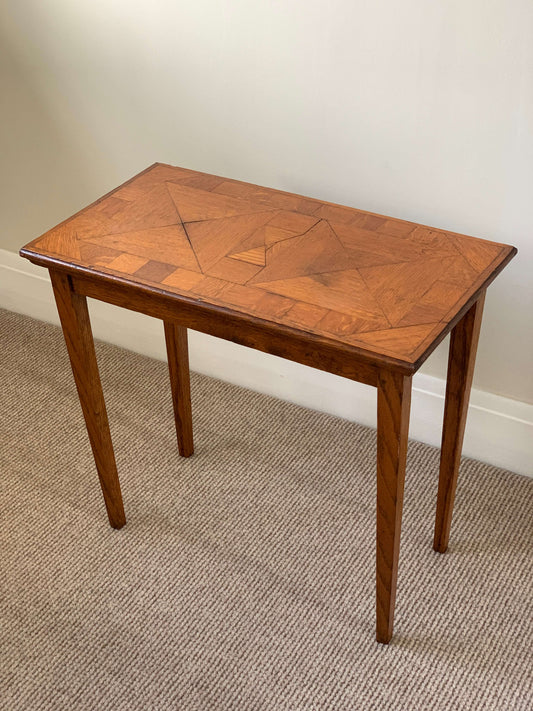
x=415 y=109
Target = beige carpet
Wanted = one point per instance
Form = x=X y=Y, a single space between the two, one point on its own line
x=244 y=578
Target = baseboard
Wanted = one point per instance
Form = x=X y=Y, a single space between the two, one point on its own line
x=499 y=430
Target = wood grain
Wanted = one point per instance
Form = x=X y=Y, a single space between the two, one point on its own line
x=360 y=295
x=375 y=276
x=462 y=356
x=76 y=326
x=178 y=365
x=394 y=399
x=297 y=345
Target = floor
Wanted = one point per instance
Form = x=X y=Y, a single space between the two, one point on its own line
x=244 y=578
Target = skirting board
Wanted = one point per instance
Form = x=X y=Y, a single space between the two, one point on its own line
x=499 y=430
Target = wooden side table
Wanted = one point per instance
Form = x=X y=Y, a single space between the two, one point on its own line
x=352 y=293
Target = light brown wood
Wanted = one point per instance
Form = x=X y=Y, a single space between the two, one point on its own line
x=178 y=365
x=304 y=348
x=394 y=399
x=76 y=326
x=461 y=361
x=388 y=287
x=360 y=295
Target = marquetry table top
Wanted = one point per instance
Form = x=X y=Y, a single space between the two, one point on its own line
x=384 y=286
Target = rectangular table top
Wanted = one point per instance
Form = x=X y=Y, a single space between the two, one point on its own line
x=388 y=288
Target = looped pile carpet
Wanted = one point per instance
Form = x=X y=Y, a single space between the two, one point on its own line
x=244 y=578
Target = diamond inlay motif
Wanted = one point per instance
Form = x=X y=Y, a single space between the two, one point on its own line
x=384 y=285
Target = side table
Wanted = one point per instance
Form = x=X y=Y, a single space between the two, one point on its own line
x=360 y=295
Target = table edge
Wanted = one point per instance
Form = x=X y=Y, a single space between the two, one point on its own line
x=369 y=357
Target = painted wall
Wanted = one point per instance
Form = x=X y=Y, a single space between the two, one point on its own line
x=417 y=109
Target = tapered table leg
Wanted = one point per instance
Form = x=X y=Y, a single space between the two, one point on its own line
x=74 y=316
x=178 y=365
x=394 y=400
x=463 y=345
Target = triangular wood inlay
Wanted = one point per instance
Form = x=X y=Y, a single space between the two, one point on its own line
x=372 y=249
x=158 y=175
x=478 y=252
x=154 y=209
x=398 y=287
x=194 y=205
x=315 y=251
x=252 y=256
x=214 y=239
x=433 y=305
x=267 y=196
x=256 y=239
x=170 y=244
x=342 y=291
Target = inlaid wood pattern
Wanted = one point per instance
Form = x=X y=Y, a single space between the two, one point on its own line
x=360 y=295
x=386 y=286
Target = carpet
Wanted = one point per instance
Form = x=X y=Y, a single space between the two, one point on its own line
x=244 y=578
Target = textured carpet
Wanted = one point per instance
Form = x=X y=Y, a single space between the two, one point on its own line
x=244 y=578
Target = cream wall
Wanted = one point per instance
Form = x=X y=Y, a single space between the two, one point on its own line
x=422 y=110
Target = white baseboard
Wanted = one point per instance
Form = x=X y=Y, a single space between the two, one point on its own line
x=499 y=430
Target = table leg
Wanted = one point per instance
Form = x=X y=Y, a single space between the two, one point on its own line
x=74 y=316
x=178 y=365
x=394 y=400
x=463 y=345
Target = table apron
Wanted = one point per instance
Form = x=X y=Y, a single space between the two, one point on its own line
x=255 y=333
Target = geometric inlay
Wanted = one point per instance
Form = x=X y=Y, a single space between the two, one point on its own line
x=256 y=255
x=369 y=281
